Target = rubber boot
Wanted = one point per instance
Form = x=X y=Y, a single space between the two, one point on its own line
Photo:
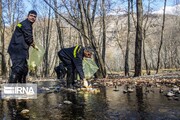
x=23 y=79
x=20 y=79
x=63 y=71
x=56 y=69
x=13 y=78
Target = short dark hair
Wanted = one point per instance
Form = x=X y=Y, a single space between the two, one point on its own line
x=89 y=49
x=32 y=12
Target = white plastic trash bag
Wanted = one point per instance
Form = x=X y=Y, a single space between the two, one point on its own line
x=35 y=56
x=89 y=67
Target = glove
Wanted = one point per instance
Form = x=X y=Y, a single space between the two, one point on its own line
x=85 y=83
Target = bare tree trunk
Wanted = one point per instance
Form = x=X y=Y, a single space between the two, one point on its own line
x=2 y=28
x=132 y=14
x=145 y=60
x=138 y=43
x=82 y=14
x=58 y=26
x=47 y=45
x=99 y=59
x=94 y=10
x=145 y=28
x=126 y=66
x=162 y=34
x=104 y=31
x=3 y=64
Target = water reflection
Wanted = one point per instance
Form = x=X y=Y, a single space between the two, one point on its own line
x=74 y=110
x=106 y=105
x=13 y=110
x=141 y=103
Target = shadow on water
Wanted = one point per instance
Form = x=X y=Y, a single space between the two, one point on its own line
x=11 y=110
x=106 y=105
x=141 y=104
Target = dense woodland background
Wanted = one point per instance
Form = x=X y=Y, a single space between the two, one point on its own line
x=131 y=39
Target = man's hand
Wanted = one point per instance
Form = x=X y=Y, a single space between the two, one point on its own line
x=85 y=83
x=34 y=46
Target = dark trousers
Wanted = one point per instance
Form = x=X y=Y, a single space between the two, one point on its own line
x=19 y=70
x=70 y=71
x=60 y=71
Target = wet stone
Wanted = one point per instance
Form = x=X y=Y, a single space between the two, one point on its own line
x=67 y=102
x=176 y=98
x=163 y=110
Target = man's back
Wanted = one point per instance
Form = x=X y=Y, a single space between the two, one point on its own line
x=67 y=53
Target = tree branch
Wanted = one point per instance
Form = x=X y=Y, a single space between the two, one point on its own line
x=66 y=19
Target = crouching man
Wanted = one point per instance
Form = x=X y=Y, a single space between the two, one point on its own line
x=72 y=59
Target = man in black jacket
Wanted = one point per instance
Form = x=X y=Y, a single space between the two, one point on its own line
x=72 y=60
x=18 y=49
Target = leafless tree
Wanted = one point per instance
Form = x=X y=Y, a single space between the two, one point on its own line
x=138 y=43
x=47 y=42
x=104 y=31
x=126 y=66
x=11 y=13
x=86 y=28
x=2 y=53
x=58 y=25
x=161 y=41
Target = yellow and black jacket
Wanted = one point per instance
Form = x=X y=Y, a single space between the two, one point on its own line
x=74 y=56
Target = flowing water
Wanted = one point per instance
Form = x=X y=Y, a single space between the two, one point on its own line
x=109 y=104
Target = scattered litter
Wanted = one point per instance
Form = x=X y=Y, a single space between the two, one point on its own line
x=67 y=102
x=59 y=105
x=25 y=111
x=170 y=94
x=68 y=90
x=125 y=91
x=90 y=90
x=161 y=90
x=175 y=89
x=130 y=90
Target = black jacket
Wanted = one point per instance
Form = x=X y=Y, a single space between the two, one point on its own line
x=21 y=39
x=75 y=56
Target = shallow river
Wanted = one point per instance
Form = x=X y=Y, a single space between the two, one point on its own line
x=106 y=105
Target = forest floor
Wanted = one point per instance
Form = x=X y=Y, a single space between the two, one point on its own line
x=164 y=77
x=168 y=76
